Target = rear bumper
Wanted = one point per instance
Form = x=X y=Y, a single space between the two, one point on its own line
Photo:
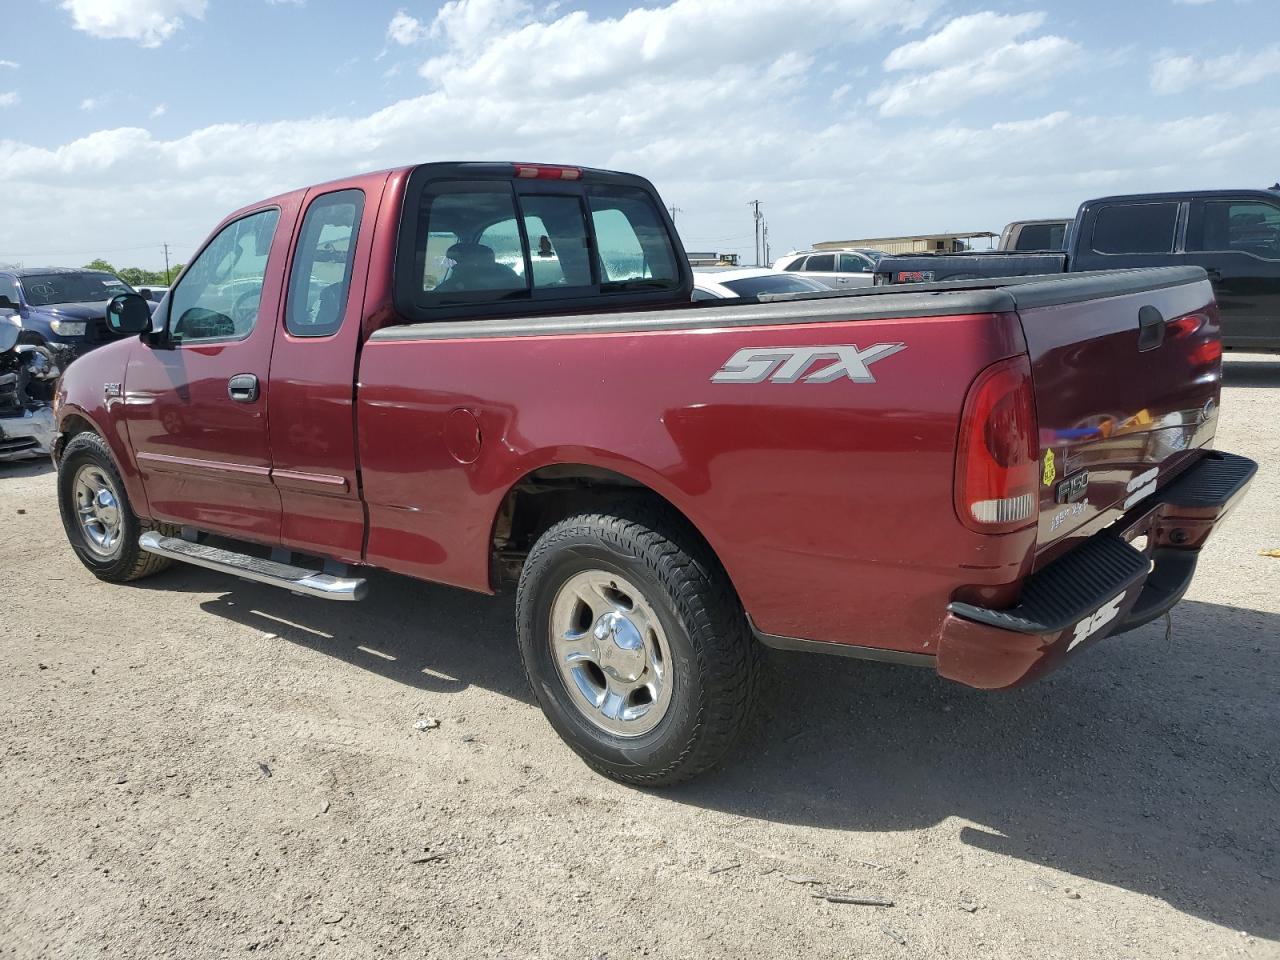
x=1102 y=588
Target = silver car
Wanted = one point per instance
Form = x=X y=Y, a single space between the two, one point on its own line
x=835 y=268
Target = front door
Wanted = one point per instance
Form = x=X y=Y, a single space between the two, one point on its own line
x=197 y=413
x=1238 y=242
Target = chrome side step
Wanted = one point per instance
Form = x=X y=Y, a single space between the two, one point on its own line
x=296 y=579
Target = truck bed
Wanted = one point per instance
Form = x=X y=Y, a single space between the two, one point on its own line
x=802 y=489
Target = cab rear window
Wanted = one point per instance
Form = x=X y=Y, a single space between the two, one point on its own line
x=485 y=246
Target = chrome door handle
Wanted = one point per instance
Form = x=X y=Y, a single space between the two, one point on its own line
x=243 y=388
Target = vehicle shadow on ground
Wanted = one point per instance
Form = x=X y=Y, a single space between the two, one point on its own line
x=431 y=637
x=1147 y=765
x=1251 y=373
x=36 y=467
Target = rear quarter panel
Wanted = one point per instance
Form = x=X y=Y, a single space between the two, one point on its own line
x=830 y=505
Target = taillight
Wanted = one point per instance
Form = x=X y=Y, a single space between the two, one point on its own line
x=997 y=482
x=544 y=171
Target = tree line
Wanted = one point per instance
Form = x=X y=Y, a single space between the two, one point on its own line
x=136 y=276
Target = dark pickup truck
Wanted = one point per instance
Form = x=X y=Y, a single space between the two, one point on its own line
x=483 y=373
x=1233 y=234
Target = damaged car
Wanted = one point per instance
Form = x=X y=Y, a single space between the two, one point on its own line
x=61 y=308
x=28 y=376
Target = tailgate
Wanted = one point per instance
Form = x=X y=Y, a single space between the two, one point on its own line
x=1126 y=368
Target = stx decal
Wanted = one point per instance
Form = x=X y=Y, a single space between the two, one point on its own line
x=792 y=364
x=1087 y=627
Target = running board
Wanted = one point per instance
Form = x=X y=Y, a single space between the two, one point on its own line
x=296 y=579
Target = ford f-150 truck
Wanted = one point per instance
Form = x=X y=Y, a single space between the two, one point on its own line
x=476 y=373
x=1233 y=234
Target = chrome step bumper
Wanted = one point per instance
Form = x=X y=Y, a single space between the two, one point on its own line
x=296 y=579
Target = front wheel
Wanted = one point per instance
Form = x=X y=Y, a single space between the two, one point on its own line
x=635 y=644
x=97 y=516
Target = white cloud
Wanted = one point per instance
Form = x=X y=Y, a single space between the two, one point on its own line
x=1177 y=74
x=159 y=110
x=406 y=30
x=8 y=63
x=962 y=39
x=695 y=96
x=972 y=56
x=501 y=45
x=90 y=103
x=149 y=22
x=8 y=98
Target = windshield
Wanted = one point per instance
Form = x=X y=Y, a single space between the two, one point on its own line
x=43 y=290
x=772 y=283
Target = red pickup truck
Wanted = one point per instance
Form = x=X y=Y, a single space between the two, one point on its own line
x=478 y=372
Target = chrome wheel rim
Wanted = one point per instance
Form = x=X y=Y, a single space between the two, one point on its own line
x=97 y=510
x=611 y=652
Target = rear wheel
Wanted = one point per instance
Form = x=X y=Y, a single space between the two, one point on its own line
x=635 y=644
x=97 y=516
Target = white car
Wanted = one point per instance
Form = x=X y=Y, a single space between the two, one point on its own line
x=835 y=268
x=752 y=282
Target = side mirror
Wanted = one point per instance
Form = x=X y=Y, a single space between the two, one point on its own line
x=6 y=303
x=128 y=313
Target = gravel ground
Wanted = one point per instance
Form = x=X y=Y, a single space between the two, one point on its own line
x=197 y=767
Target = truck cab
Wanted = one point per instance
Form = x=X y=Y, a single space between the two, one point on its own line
x=1233 y=234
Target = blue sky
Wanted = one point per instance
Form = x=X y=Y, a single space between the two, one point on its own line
x=125 y=123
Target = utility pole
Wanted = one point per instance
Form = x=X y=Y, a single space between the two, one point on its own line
x=768 y=257
x=674 y=210
x=756 y=218
x=166 y=264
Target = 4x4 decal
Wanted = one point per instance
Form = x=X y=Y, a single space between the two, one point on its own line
x=793 y=364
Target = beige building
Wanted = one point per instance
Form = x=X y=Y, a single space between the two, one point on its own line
x=925 y=243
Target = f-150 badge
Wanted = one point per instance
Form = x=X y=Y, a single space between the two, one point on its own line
x=795 y=364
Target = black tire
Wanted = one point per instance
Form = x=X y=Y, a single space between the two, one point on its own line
x=126 y=561
x=714 y=658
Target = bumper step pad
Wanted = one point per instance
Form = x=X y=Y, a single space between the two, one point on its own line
x=1068 y=589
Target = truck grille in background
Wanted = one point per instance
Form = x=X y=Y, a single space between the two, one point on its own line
x=97 y=331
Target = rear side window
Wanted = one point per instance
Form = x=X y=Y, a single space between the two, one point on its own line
x=1236 y=226
x=320 y=281
x=824 y=263
x=1135 y=228
x=486 y=246
x=796 y=265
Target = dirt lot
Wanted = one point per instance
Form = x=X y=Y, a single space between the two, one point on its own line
x=197 y=767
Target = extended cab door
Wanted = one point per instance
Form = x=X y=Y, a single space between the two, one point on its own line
x=1238 y=241
x=312 y=414
x=196 y=399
